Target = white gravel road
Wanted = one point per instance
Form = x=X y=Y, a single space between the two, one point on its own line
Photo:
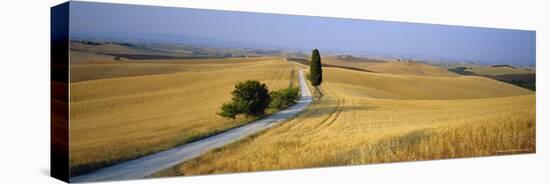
x=150 y=164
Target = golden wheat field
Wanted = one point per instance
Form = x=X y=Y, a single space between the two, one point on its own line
x=394 y=67
x=366 y=118
x=123 y=110
x=409 y=68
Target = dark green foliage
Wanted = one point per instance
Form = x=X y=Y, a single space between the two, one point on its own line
x=229 y=110
x=461 y=70
x=90 y=43
x=531 y=85
x=249 y=98
x=315 y=71
x=124 y=44
x=509 y=66
x=284 y=98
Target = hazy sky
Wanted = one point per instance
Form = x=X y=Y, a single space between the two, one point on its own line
x=306 y=32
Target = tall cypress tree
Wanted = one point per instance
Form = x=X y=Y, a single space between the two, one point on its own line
x=315 y=71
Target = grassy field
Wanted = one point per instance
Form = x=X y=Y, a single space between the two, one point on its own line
x=97 y=68
x=368 y=118
x=123 y=110
x=392 y=67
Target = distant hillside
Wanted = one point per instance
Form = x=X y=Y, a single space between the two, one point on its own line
x=522 y=77
x=389 y=67
x=357 y=59
x=324 y=64
x=146 y=51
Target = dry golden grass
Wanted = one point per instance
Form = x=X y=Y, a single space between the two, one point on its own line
x=354 y=83
x=122 y=117
x=361 y=120
x=94 y=66
x=393 y=67
x=409 y=68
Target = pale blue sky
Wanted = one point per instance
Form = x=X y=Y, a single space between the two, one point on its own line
x=306 y=32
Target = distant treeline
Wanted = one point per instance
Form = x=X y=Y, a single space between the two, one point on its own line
x=461 y=70
x=509 y=66
x=88 y=42
x=358 y=59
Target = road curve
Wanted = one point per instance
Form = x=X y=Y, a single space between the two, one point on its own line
x=148 y=165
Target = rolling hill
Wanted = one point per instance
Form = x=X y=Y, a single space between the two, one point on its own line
x=390 y=67
x=125 y=110
x=372 y=111
x=368 y=118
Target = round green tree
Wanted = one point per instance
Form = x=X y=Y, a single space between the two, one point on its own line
x=250 y=98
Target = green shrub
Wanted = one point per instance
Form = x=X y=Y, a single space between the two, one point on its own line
x=284 y=98
x=229 y=110
x=249 y=98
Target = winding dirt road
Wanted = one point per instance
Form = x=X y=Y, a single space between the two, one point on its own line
x=148 y=165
